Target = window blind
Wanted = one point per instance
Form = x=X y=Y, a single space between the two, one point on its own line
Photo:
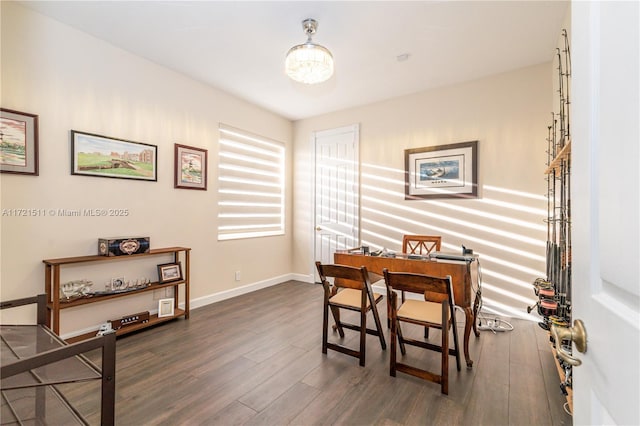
x=250 y=185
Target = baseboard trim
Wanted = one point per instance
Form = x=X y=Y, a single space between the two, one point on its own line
x=249 y=288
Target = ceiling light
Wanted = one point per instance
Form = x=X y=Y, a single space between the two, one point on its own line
x=309 y=63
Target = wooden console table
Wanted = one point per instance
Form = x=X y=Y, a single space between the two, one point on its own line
x=460 y=277
x=55 y=305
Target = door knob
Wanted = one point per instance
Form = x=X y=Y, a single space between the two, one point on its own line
x=318 y=228
x=577 y=334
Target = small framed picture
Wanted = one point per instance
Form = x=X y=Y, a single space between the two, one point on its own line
x=18 y=142
x=165 y=307
x=118 y=283
x=190 y=167
x=168 y=272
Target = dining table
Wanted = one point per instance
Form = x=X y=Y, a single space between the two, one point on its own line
x=458 y=267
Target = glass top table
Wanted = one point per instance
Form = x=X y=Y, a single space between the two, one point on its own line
x=33 y=395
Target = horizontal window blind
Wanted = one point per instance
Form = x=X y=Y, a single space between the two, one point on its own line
x=250 y=185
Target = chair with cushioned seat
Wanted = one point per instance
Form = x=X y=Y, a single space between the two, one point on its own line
x=422 y=245
x=351 y=290
x=436 y=310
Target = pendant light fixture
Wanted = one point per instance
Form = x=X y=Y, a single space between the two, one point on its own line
x=309 y=63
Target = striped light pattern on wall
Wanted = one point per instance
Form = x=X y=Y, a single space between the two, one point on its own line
x=251 y=185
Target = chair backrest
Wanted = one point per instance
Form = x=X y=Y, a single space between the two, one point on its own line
x=421 y=244
x=438 y=287
x=434 y=289
x=345 y=276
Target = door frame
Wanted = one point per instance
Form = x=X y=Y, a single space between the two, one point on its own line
x=355 y=127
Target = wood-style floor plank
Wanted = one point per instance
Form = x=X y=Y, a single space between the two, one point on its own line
x=286 y=407
x=256 y=360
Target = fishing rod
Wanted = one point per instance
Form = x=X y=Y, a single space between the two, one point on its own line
x=561 y=98
x=561 y=288
x=549 y=212
x=569 y=250
x=567 y=178
x=554 y=236
x=567 y=74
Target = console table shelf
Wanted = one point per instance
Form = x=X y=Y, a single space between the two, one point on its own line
x=56 y=303
x=153 y=320
x=84 y=300
x=99 y=258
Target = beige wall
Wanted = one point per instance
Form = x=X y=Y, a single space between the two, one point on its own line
x=508 y=115
x=74 y=81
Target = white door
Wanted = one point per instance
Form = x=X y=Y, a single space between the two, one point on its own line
x=605 y=213
x=337 y=191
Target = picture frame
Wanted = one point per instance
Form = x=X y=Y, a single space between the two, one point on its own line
x=166 y=307
x=168 y=272
x=18 y=142
x=118 y=283
x=103 y=156
x=190 y=168
x=443 y=171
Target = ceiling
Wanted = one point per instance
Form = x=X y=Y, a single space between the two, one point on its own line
x=239 y=46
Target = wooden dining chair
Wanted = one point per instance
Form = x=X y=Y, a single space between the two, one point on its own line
x=421 y=244
x=435 y=311
x=351 y=290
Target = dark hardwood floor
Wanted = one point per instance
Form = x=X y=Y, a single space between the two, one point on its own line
x=256 y=360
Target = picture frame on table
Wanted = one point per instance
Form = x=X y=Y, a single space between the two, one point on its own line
x=168 y=272
x=104 y=156
x=190 y=169
x=166 y=307
x=443 y=171
x=18 y=142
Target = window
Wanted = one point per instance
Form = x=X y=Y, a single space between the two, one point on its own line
x=250 y=185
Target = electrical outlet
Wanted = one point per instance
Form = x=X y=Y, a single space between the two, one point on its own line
x=237 y=275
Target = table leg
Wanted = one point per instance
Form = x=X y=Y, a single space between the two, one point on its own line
x=469 y=320
x=476 y=304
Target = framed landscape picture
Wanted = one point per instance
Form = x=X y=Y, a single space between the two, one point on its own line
x=190 y=167
x=102 y=156
x=444 y=171
x=18 y=142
